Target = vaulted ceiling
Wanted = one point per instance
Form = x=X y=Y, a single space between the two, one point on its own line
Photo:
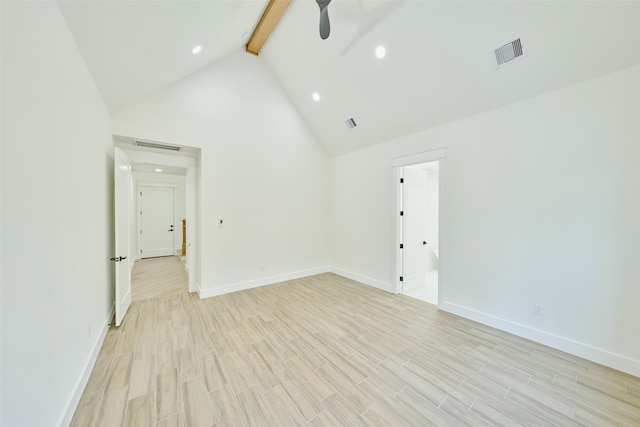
x=439 y=65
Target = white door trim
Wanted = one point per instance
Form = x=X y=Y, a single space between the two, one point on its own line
x=423 y=157
x=398 y=163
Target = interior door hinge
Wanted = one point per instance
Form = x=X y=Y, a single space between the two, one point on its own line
x=401 y=246
x=401 y=180
x=401 y=279
x=401 y=213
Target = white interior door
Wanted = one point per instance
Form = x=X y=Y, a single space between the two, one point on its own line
x=156 y=221
x=412 y=229
x=122 y=204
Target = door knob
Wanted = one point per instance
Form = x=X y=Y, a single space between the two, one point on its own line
x=424 y=243
x=118 y=258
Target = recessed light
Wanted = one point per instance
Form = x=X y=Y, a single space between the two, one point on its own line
x=196 y=50
x=381 y=51
x=158 y=170
x=316 y=96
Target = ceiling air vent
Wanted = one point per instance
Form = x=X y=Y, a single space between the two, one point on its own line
x=351 y=123
x=508 y=52
x=151 y=144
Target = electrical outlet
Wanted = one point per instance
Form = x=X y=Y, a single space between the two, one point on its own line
x=538 y=309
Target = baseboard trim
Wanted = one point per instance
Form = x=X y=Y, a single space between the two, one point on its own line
x=250 y=284
x=82 y=382
x=594 y=354
x=387 y=287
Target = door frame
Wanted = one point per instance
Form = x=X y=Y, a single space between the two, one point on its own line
x=398 y=163
x=139 y=186
x=192 y=165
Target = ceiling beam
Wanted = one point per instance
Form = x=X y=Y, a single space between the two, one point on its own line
x=272 y=14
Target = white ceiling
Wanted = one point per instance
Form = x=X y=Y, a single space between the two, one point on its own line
x=134 y=48
x=439 y=64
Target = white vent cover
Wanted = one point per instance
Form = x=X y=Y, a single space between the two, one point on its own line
x=151 y=144
x=509 y=52
x=351 y=123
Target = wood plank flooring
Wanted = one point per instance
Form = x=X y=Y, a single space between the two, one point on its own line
x=327 y=351
x=154 y=277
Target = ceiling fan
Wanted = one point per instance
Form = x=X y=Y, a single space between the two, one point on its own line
x=325 y=27
x=272 y=14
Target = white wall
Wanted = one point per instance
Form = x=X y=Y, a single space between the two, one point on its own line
x=180 y=196
x=1 y=276
x=261 y=171
x=57 y=218
x=541 y=205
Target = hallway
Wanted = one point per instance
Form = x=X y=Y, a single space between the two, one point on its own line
x=154 y=277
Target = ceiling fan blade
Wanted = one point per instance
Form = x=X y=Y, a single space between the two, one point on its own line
x=325 y=26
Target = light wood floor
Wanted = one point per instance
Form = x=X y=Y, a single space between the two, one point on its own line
x=154 y=277
x=327 y=351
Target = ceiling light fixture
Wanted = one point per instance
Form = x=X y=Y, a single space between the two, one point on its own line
x=158 y=170
x=316 y=96
x=196 y=50
x=381 y=52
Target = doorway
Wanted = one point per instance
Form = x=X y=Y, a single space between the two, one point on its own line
x=420 y=223
x=184 y=161
x=419 y=188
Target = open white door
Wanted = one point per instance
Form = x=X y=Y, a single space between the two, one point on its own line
x=122 y=203
x=412 y=230
x=415 y=238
